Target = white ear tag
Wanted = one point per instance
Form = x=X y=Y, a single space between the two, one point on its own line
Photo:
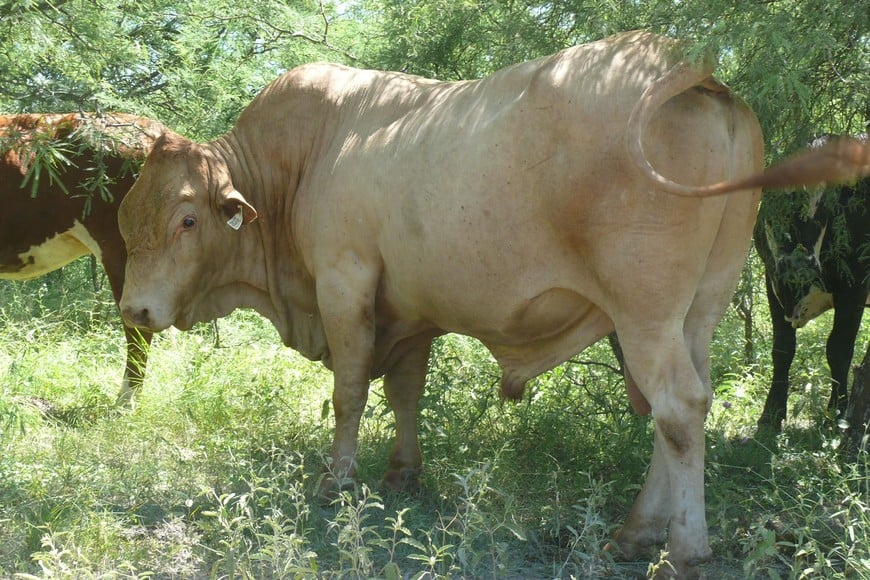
x=235 y=222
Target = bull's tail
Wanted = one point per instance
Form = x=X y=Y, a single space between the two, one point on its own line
x=840 y=160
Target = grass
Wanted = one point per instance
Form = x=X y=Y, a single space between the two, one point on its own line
x=212 y=473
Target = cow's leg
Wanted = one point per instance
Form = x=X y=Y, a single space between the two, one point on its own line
x=784 y=343
x=848 y=309
x=667 y=377
x=647 y=522
x=138 y=343
x=114 y=259
x=403 y=385
x=346 y=295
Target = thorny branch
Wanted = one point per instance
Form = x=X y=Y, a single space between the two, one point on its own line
x=323 y=40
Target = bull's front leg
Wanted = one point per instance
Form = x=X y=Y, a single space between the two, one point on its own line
x=346 y=297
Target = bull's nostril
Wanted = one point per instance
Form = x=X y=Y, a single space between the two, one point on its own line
x=136 y=317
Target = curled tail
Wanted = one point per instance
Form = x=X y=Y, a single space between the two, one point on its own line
x=841 y=160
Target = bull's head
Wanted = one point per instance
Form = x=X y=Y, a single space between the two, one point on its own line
x=179 y=212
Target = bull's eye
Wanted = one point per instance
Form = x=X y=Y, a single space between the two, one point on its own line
x=188 y=222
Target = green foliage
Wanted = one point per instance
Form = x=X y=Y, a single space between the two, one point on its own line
x=44 y=158
x=212 y=474
x=214 y=470
x=193 y=65
x=802 y=64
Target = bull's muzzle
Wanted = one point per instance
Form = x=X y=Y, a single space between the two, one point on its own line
x=137 y=317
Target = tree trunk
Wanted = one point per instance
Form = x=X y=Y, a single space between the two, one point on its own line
x=858 y=412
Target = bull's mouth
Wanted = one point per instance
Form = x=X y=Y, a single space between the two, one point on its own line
x=146 y=319
x=183 y=324
x=145 y=324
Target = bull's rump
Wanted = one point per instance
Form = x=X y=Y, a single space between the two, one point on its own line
x=508 y=208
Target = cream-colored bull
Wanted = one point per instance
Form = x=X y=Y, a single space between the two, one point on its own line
x=365 y=213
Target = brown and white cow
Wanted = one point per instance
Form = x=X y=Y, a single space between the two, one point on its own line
x=365 y=213
x=53 y=219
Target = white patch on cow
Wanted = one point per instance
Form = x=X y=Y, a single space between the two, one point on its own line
x=54 y=253
x=817 y=247
x=815 y=194
x=812 y=305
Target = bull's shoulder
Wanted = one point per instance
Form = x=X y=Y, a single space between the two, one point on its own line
x=321 y=77
x=321 y=90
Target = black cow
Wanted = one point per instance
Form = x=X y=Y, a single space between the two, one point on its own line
x=813 y=263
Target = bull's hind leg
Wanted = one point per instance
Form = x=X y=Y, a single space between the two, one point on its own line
x=403 y=385
x=647 y=522
x=674 y=490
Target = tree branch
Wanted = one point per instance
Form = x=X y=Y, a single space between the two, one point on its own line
x=10 y=8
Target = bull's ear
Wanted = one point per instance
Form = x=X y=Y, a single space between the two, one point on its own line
x=237 y=210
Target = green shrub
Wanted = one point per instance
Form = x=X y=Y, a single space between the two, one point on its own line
x=214 y=471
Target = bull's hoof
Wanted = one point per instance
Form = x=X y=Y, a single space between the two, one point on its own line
x=628 y=546
x=331 y=488
x=403 y=481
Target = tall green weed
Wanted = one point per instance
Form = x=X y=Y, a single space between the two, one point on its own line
x=213 y=472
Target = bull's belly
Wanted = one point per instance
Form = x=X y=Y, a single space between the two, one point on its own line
x=546 y=315
x=526 y=337
x=55 y=252
x=546 y=332
x=527 y=333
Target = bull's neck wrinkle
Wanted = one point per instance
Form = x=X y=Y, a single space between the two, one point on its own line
x=240 y=163
x=271 y=271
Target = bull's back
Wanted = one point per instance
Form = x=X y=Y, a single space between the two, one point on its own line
x=521 y=184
